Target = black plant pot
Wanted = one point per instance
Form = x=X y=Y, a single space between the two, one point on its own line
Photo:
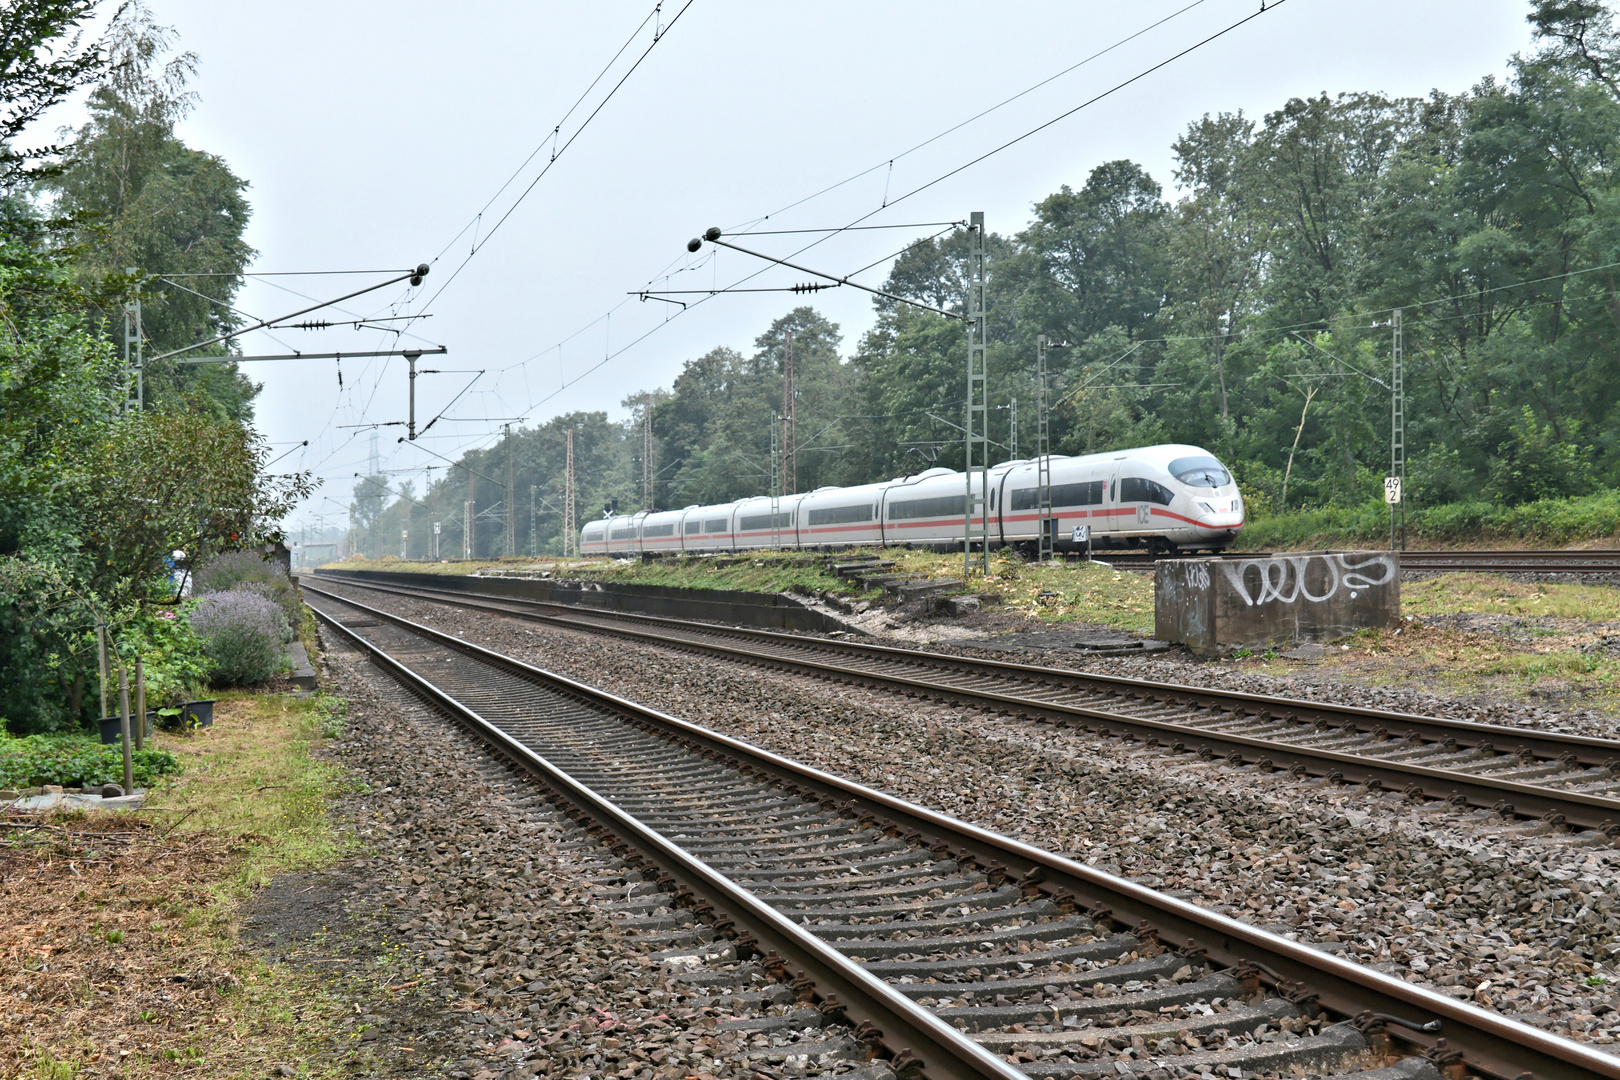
x=198 y=713
x=110 y=726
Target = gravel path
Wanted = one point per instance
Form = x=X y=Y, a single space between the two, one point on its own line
x=508 y=912
x=1516 y=917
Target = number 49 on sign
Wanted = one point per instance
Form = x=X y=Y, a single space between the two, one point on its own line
x=1392 y=490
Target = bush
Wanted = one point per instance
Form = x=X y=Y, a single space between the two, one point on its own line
x=175 y=660
x=243 y=633
x=1534 y=464
x=75 y=761
x=1545 y=521
x=246 y=570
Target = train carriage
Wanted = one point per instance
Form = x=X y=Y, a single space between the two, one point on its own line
x=842 y=517
x=1166 y=498
x=756 y=529
x=661 y=531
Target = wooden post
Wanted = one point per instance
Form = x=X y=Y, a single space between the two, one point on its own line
x=140 y=705
x=123 y=729
x=101 y=666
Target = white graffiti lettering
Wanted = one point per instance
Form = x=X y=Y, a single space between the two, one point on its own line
x=1282 y=578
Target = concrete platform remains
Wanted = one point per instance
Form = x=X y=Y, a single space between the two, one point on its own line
x=1217 y=605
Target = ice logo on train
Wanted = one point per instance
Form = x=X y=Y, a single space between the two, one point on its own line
x=1161 y=498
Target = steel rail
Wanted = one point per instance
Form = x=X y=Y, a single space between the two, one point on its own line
x=1487 y=1042
x=1508 y=797
x=941 y=1050
x=1525 y=561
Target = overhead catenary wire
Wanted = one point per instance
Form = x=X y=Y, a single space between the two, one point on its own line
x=889 y=161
x=856 y=225
x=560 y=151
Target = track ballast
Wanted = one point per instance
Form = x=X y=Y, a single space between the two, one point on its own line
x=955 y=951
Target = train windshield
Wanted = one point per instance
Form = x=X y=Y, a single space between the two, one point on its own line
x=1201 y=471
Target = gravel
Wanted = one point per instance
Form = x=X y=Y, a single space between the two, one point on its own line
x=1519 y=918
x=1312 y=684
x=508 y=914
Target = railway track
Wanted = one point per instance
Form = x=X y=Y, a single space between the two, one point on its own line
x=950 y=950
x=1563 y=780
x=1544 y=561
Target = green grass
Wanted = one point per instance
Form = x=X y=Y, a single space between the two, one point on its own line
x=1491 y=594
x=1073 y=592
x=1549 y=521
x=252 y=775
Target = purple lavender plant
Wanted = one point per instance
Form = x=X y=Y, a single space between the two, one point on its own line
x=247 y=570
x=242 y=633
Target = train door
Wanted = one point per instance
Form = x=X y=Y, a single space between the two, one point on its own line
x=1111 y=520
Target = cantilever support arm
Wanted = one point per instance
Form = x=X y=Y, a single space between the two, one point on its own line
x=713 y=237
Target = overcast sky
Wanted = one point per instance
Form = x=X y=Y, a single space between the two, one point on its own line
x=374 y=134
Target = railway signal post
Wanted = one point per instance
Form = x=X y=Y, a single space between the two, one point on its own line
x=1397 y=430
x=976 y=443
x=1043 y=456
x=570 y=537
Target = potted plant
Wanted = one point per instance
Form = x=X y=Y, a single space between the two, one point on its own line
x=198 y=713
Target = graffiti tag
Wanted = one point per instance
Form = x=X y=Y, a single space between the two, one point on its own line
x=1283 y=578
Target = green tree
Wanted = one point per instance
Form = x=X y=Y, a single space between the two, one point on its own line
x=43 y=59
x=153 y=204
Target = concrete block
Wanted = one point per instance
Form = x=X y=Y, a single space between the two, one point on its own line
x=303 y=675
x=1215 y=605
x=915 y=590
x=955 y=605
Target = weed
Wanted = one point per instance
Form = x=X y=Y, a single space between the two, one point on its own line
x=114 y=937
x=47 y=1067
x=76 y=761
x=1596 y=980
x=332 y=715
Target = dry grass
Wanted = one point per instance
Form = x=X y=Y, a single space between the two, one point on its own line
x=117 y=930
x=1470 y=663
x=1493 y=594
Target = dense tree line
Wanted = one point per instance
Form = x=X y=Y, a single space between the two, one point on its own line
x=1247 y=312
x=98 y=489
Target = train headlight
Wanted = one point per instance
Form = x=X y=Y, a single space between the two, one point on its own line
x=1208 y=509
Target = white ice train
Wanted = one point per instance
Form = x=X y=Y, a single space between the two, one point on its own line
x=1164 y=498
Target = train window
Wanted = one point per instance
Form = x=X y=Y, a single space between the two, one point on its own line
x=1200 y=471
x=622 y=534
x=993 y=493
x=763 y=521
x=659 y=530
x=839 y=515
x=717 y=525
x=1139 y=489
x=594 y=530
x=693 y=527
x=1087 y=494
x=946 y=506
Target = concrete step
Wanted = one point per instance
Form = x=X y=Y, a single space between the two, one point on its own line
x=917 y=589
x=303 y=675
x=884 y=581
x=854 y=569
